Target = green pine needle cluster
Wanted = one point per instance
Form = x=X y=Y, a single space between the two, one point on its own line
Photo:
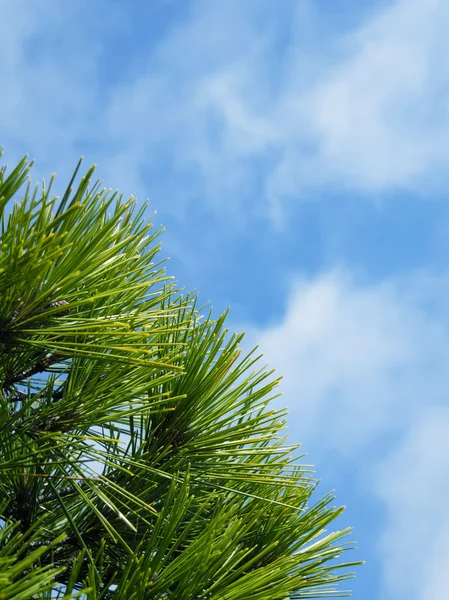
x=139 y=455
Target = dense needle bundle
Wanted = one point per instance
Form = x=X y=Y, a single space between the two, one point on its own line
x=138 y=457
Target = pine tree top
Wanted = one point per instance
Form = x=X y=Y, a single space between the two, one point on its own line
x=139 y=454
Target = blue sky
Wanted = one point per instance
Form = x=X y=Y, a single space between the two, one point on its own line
x=297 y=153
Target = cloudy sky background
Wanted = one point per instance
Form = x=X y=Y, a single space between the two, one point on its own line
x=298 y=154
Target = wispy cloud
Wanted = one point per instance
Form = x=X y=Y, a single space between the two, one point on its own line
x=365 y=376
x=48 y=95
x=412 y=481
x=238 y=101
x=372 y=118
x=382 y=115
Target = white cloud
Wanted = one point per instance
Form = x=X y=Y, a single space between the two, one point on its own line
x=243 y=106
x=382 y=115
x=366 y=377
x=373 y=117
x=186 y=108
x=51 y=99
x=42 y=97
x=357 y=360
x=413 y=483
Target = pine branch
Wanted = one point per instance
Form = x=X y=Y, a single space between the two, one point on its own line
x=203 y=498
x=20 y=396
x=39 y=367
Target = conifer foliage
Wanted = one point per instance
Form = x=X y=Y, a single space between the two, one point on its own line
x=139 y=455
